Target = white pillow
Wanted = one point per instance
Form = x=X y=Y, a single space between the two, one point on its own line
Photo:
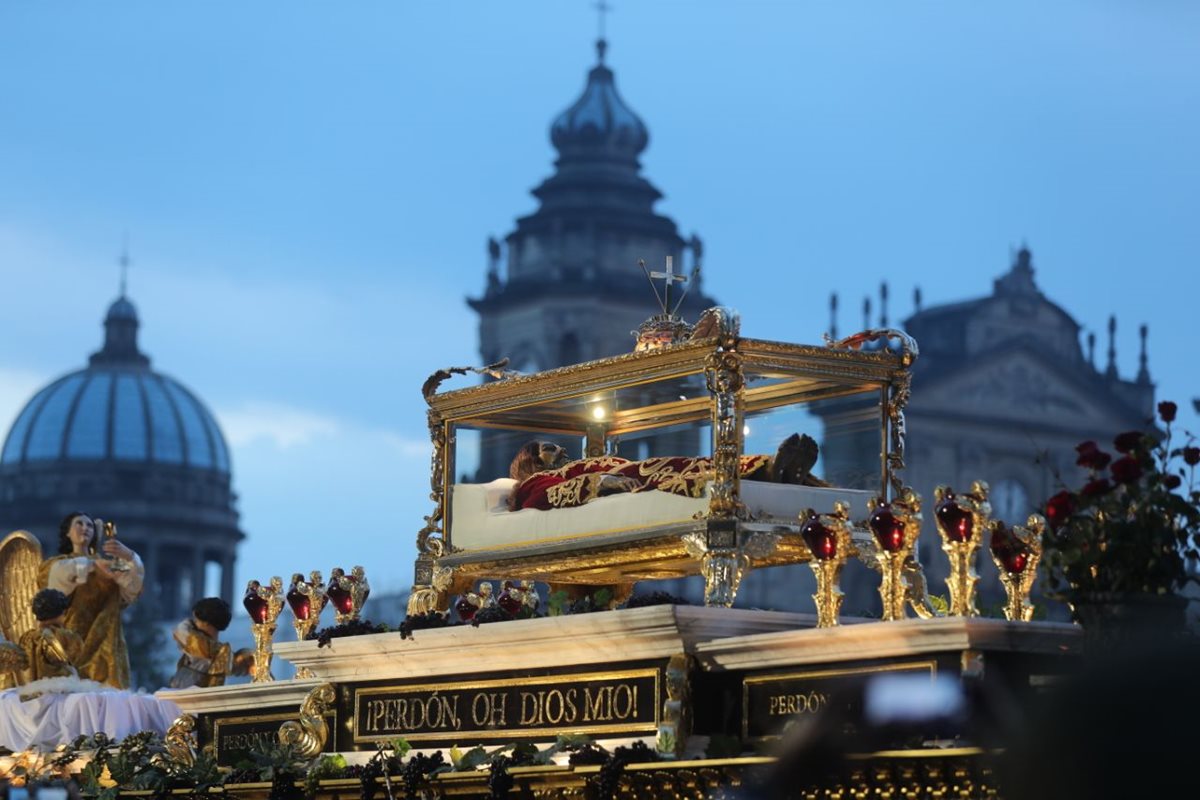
x=498 y=492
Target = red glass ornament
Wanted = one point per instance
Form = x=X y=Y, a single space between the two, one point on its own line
x=466 y=609
x=511 y=601
x=339 y=596
x=888 y=529
x=819 y=538
x=954 y=520
x=256 y=606
x=1011 y=552
x=299 y=603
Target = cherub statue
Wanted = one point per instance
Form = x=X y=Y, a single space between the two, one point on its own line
x=204 y=660
x=51 y=647
x=547 y=478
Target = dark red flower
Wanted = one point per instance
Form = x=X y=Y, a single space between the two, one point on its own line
x=1091 y=456
x=1098 y=486
x=1126 y=469
x=1191 y=456
x=1166 y=411
x=1128 y=441
x=1059 y=508
x=1171 y=481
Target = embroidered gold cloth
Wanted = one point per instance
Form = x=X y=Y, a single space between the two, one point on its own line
x=584 y=480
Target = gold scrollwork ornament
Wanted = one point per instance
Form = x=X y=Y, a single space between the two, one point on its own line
x=309 y=734
x=180 y=741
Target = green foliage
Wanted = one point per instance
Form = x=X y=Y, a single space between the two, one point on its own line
x=560 y=603
x=470 y=760
x=269 y=759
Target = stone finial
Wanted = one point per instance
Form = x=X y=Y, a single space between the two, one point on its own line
x=833 y=303
x=917 y=299
x=1143 y=375
x=866 y=313
x=1111 y=370
x=1091 y=341
x=883 y=298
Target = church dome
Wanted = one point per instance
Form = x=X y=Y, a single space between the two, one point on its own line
x=117 y=409
x=599 y=123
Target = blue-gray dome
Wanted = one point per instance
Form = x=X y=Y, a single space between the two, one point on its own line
x=117 y=409
x=599 y=123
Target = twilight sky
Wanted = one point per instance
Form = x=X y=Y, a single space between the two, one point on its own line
x=308 y=187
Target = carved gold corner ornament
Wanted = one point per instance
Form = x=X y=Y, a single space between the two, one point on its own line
x=827 y=537
x=894 y=528
x=961 y=522
x=309 y=734
x=1016 y=554
x=724 y=560
x=180 y=741
x=725 y=381
x=434 y=595
x=676 y=723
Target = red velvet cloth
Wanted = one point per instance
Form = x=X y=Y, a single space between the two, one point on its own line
x=580 y=481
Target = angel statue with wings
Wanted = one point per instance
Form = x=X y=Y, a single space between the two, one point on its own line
x=99 y=580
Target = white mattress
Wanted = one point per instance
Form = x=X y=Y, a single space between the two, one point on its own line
x=480 y=520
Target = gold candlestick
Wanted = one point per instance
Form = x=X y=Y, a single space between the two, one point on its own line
x=1017 y=552
x=961 y=521
x=263 y=603
x=827 y=537
x=895 y=527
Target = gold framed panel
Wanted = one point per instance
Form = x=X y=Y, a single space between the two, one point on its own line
x=508 y=733
x=844 y=672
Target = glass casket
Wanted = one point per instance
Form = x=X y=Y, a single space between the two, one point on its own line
x=705 y=391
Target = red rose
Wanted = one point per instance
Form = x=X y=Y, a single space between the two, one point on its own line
x=1091 y=456
x=1126 y=470
x=1191 y=456
x=1128 y=441
x=1166 y=411
x=1098 y=486
x=1171 y=481
x=1059 y=508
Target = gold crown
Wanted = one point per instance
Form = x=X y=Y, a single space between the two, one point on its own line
x=666 y=328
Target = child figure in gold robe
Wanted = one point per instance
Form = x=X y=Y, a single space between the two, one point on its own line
x=205 y=661
x=51 y=647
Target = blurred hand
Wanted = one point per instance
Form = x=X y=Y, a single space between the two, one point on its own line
x=611 y=484
x=117 y=550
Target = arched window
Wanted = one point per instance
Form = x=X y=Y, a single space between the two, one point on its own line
x=1010 y=501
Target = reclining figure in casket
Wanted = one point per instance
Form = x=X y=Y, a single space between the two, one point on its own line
x=547 y=478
